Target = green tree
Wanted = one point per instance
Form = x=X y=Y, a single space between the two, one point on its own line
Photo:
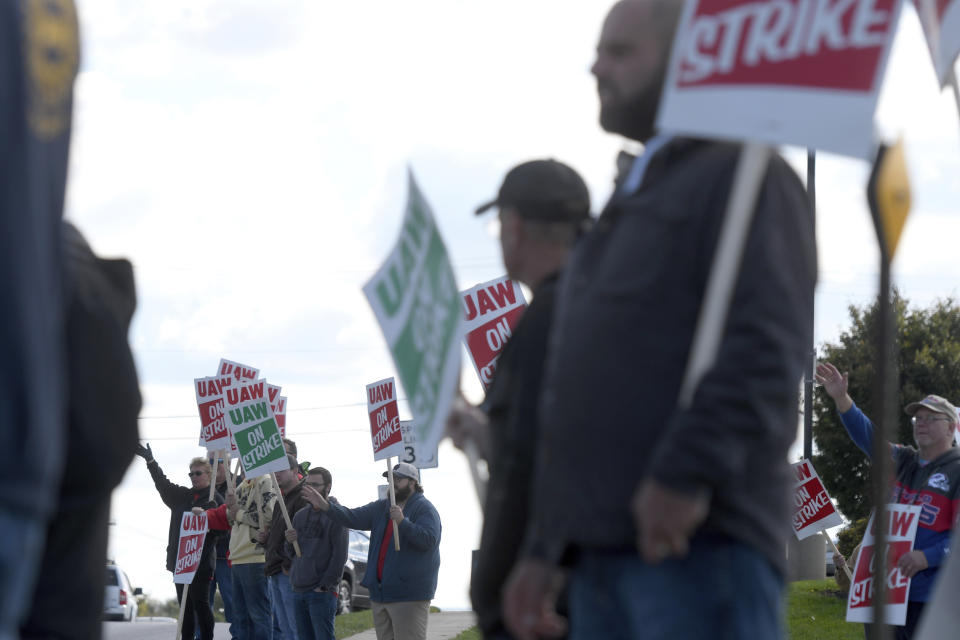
x=927 y=360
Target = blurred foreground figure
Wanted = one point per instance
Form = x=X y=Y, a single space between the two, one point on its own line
x=702 y=492
x=543 y=206
x=68 y=386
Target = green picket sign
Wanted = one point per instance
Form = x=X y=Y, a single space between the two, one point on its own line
x=417 y=303
x=257 y=435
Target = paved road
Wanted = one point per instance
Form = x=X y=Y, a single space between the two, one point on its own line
x=149 y=630
x=442 y=626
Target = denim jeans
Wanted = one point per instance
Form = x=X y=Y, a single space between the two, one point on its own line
x=314 y=612
x=281 y=599
x=251 y=602
x=722 y=590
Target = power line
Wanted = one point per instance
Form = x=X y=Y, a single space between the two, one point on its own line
x=297 y=410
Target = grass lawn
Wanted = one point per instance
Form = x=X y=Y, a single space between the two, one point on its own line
x=351 y=623
x=815 y=611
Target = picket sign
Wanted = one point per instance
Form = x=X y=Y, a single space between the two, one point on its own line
x=193 y=533
x=813 y=510
x=283 y=510
x=393 y=503
x=492 y=311
x=214 y=434
x=237 y=371
x=902 y=525
x=769 y=90
x=250 y=418
x=417 y=304
x=384 y=414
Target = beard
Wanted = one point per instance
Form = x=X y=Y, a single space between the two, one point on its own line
x=402 y=494
x=634 y=117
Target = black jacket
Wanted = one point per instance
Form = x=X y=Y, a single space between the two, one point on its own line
x=626 y=312
x=511 y=405
x=180 y=499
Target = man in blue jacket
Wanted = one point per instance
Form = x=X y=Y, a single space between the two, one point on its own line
x=928 y=475
x=401 y=583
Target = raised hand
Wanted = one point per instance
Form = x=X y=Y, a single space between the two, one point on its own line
x=835 y=384
x=145 y=452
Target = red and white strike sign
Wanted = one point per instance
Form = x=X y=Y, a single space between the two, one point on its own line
x=812 y=509
x=941 y=26
x=492 y=311
x=280 y=414
x=384 y=419
x=236 y=370
x=800 y=72
x=193 y=531
x=902 y=531
x=214 y=434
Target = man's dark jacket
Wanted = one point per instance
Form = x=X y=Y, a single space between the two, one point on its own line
x=625 y=316
x=511 y=405
x=276 y=558
x=181 y=499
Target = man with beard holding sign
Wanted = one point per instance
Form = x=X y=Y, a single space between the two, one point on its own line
x=702 y=491
x=401 y=583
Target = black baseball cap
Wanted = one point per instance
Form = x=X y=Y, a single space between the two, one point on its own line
x=543 y=190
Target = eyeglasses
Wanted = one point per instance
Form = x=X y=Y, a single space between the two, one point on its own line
x=196 y=473
x=927 y=419
x=315 y=485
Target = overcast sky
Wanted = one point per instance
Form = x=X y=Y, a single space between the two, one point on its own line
x=250 y=159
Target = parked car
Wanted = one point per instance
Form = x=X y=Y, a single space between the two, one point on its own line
x=120 y=599
x=353 y=595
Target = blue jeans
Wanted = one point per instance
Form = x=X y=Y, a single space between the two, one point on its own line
x=315 y=611
x=281 y=597
x=722 y=590
x=251 y=602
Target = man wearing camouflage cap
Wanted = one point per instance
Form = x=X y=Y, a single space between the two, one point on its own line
x=928 y=475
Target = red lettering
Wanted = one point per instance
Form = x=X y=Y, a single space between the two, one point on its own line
x=503 y=293
x=749 y=42
x=803 y=470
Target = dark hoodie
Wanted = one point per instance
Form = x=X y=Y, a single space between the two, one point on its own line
x=324 y=546
x=277 y=559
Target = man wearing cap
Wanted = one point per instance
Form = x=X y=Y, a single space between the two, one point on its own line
x=928 y=475
x=401 y=583
x=648 y=505
x=544 y=206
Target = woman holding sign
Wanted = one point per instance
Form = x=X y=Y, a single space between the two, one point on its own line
x=181 y=499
